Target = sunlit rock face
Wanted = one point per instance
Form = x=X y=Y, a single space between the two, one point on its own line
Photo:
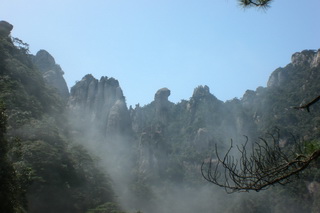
x=309 y=58
x=277 y=78
x=5 y=28
x=100 y=104
x=52 y=72
x=306 y=59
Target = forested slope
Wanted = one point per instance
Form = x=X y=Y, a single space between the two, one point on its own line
x=50 y=172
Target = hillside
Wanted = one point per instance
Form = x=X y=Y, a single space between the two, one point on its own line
x=52 y=173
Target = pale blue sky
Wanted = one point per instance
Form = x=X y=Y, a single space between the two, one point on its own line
x=178 y=44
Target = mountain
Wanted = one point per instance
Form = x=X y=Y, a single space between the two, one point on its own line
x=86 y=151
x=51 y=72
x=50 y=172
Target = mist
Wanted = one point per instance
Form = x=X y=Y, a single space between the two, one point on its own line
x=153 y=153
x=95 y=146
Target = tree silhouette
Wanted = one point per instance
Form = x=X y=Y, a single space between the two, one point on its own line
x=260 y=167
x=255 y=3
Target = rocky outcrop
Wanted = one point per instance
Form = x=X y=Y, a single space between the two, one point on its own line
x=201 y=92
x=277 y=78
x=5 y=28
x=310 y=58
x=118 y=121
x=100 y=104
x=152 y=152
x=52 y=72
x=162 y=104
x=162 y=95
x=306 y=58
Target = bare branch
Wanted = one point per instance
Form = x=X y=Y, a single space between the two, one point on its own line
x=265 y=166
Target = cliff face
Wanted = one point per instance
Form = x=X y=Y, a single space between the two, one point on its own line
x=307 y=59
x=100 y=104
x=292 y=85
x=49 y=173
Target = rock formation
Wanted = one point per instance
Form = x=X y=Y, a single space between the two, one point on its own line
x=5 y=28
x=201 y=92
x=277 y=77
x=52 y=72
x=100 y=104
x=162 y=104
x=152 y=152
x=310 y=58
x=306 y=59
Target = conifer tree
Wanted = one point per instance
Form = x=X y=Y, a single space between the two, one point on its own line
x=255 y=3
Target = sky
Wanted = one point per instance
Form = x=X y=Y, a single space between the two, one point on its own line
x=179 y=44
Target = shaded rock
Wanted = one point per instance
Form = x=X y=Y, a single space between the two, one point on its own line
x=248 y=98
x=5 y=28
x=162 y=104
x=118 y=121
x=201 y=91
x=52 y=72
x=152 y=153
x=162 y=95
x=100 y=104
x=44 y=61
x=277 y=78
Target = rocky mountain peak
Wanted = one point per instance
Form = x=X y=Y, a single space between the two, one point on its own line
x=201 y=91
x=100 y=102
x=306 y=57
x=5 y=28
x=277 y=78
x=52 y=72
x=44 y=61
x=162 y=95
x=162 y=104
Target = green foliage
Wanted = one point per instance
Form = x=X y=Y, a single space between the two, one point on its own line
x=22 y=46
x=312 y=146
x=9 y=189
x=40 y=166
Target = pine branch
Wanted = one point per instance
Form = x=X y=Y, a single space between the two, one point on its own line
x=255 y=3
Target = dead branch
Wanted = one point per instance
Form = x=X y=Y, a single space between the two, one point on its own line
x=256 y=169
